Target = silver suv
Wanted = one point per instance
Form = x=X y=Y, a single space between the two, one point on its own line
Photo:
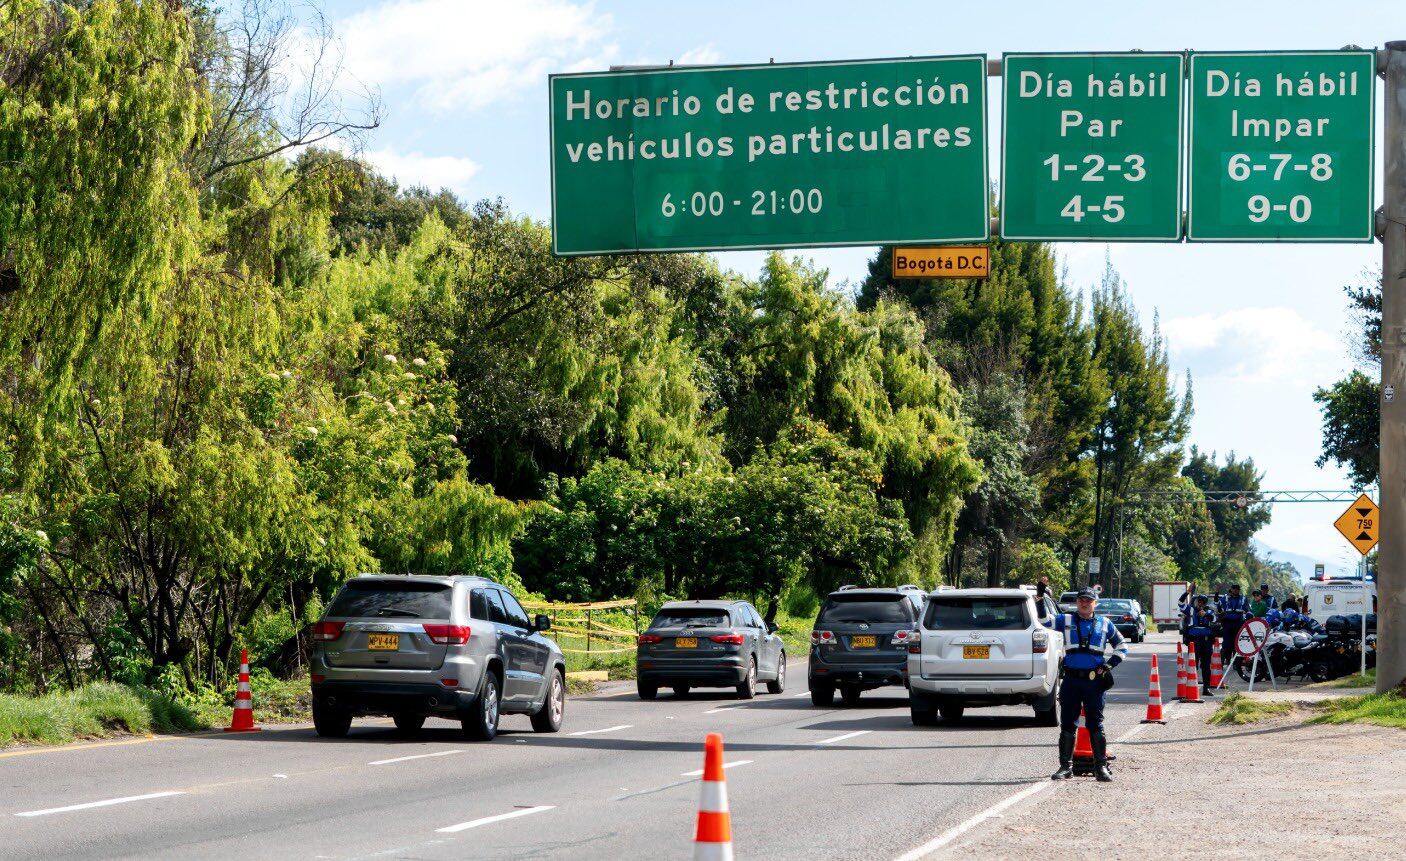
x=415 y=646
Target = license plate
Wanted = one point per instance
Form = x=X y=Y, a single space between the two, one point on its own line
x=864 y=641
x=978 y=652
x=686 y=642
x=383 y=642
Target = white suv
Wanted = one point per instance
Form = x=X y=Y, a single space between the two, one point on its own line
x=985 y=647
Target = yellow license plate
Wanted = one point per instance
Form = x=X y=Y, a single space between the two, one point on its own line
x=686 y=642
x=979 y=652
x=383 y=642
x=864 y=641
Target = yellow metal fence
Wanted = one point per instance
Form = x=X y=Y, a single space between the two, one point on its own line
x=586 y=622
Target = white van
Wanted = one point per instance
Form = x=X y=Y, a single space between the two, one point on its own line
x=1339 y=597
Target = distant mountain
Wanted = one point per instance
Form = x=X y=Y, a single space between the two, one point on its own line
x=1303 y=564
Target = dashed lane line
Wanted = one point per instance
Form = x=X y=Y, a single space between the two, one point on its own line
x=734 y=764
x=107 y=802
x=489 y=820
x=604 y=729
x=846 y=736
x=416 y=756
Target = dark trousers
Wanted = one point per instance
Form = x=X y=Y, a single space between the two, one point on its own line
x=1078 y=691
x=1228 y=632
x=1204 y=644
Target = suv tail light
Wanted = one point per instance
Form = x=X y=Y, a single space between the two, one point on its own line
x=327 y=631
x=648 y=639
x=818 y=638
x=1127 y=617
x=735 y=639
x=448 y=635
x=1040 y=643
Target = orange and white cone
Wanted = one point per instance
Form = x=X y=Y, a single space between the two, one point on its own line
x=1154 y=696
x=712 y=839
x=243 y=718
x=1083 y=749
x=1217 y=668
x=1193 y=681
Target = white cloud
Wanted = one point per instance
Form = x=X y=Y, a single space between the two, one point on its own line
x=703 y=55
x=1259 y=345
x=458 y=54
x=432 y=171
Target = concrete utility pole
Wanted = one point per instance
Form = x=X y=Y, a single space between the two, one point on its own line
x=1391 y=564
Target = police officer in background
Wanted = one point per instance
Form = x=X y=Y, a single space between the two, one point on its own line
x=1234 y=609
x=1269 y=601
x=1085 y=677
x=1199 y=625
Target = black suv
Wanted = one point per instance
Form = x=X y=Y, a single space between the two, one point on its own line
x=860 y=641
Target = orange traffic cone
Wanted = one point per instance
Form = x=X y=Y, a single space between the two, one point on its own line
x=1217 y=668
x=243 y=718
x=712 y=839
x=1181 y=674
x=1082 y=748
x=1193 y=680
x=1154 y=696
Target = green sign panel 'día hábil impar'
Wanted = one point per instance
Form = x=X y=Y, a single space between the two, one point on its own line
x=1091 y=146
x=1281 y=146
x=806 y=154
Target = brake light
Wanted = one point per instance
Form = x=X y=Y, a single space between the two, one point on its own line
x=327 y=631
x=735 y=639
x=448 y=635
x=649 y=639
x=1127 y=617
x=1040 y=643
x=822 y=637
x=449 y=683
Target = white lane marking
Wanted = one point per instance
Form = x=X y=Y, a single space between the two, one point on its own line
x=488 y=820
x=845 y=736
x=699 y=772
x=105 y=803
x=417 y=756
x=798 y=696
x=991 y=812
x=721 y=709
x=606 y=729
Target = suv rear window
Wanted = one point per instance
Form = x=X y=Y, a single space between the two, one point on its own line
x=866 y=608
x=684 y=616
x=409 y=599
x=980 y=614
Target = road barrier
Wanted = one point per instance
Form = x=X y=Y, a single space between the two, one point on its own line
x=583 y=622
x=712 y=838
x=1154 y=696
x=1193 y=677
x=243 y=718
x=1217 y=668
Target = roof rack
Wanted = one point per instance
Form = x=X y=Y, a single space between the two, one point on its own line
x=846 y=587
x=910 y=587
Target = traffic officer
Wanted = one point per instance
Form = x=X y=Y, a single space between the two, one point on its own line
x=1269 y=600
x=1234 y=609
x=1200 y=626
x=1086 y=676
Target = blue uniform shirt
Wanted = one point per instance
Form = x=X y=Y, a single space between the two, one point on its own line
x=1085 y=640
x=1199 y=623
x=1234 y=609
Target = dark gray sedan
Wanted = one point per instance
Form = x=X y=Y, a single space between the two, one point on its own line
x=709 y=644
x=1126 y=616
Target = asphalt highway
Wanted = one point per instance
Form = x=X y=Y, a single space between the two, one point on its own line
x=619 y=781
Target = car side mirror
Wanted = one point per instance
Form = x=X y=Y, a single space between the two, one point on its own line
x=771 y=627
x=543 y=623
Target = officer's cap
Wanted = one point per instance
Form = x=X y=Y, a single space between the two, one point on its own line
x=1086 y=592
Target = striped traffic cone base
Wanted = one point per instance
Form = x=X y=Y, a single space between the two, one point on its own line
x=712 y=838
x=1181 y=674
x=243 y=718
x=1154 y=696
x=1217 y=668
x=1193 y=681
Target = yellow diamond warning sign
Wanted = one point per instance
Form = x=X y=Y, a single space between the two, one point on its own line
x=1359 y=524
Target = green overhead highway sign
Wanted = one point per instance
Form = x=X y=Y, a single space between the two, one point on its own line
x=806 y=154
x=1091 y=146
x=1281 y=146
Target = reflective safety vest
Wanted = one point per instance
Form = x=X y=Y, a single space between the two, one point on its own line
x=1086 y=639
x=1199 y=624
x=1234 y=609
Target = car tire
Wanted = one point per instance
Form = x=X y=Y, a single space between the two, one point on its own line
x=822 y=695
x=778 y=684
x=951 y=712
x=330 y=721
x=922 y=709
x=408 y=722
x=548 y=718
x=681 y=690
x=481 y=722
x=850 y=694
x=646 y=691
x=748 y=689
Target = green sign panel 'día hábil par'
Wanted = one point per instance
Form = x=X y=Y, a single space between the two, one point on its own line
x=778 y=155
x=1091 y=146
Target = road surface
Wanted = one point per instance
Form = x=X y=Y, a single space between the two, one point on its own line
x=619 y=781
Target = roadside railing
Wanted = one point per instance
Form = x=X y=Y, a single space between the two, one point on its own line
x=598 y=623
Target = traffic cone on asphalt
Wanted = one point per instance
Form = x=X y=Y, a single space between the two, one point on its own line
x=1082 y=748
x=1217 y=668
x=712 y=839
x=1193 y=680
x=1181 y=674
x=1154 y=696
x=243 y=718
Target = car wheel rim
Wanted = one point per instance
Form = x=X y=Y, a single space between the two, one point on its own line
x=557 y=698
x=490 y=707
x=781 y=672
x=752 y=676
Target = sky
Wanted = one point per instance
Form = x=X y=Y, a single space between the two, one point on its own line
x=1257 y=327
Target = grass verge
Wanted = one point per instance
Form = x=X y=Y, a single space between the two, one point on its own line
x=1388 y=709
x=1238 y=709
x=1350 y=681
x=96 y=710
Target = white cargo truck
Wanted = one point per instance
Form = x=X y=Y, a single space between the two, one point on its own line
x=1339 y=597
x=1166 y=612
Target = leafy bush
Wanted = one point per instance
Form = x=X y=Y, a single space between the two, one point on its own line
x=97 y=710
